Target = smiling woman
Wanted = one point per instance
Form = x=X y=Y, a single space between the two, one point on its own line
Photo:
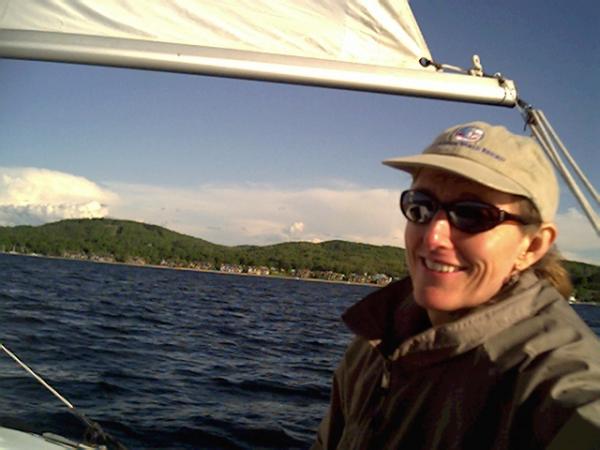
x=454 y=268
x=249 y=162
x=480 y=223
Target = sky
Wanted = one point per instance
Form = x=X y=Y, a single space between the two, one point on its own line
x=247 y=162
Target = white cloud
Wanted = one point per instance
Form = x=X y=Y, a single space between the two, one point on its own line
x=239 y=214
x=577 y=239
x=34 y=196
x=297 y=228
x=260 y=214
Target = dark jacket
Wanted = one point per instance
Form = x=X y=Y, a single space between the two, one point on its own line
x=521 y=372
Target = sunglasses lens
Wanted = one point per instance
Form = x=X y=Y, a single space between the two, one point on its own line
x=474 y=217
x=417 y=206
x=468 y=216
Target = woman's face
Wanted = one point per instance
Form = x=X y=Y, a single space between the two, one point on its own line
x=451 y=269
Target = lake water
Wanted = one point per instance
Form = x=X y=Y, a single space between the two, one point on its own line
x=173 y=359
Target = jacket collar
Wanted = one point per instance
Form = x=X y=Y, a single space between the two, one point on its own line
x=403 y=331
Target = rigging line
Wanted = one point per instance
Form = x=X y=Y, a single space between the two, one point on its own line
x=541 y=135
x=542 y=124
x=546 y=144
x=37 y=377
x=94 y=430
x=527 y=112
x=551 y=153
x=565 y=151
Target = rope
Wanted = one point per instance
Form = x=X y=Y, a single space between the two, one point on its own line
x=94 y=431
x=546 y=136
x=37 y=377
x=567 y=155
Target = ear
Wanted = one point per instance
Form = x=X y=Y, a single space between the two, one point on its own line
x=537 y=245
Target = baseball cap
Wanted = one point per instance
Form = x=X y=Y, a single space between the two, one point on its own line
x=494 y=157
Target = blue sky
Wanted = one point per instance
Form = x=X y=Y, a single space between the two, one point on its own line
x=237 y=162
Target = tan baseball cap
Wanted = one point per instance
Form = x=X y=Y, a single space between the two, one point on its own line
x=492 y=156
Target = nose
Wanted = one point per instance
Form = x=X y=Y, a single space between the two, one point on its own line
x=437 y=232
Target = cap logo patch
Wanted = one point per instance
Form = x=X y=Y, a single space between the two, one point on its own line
x=469 y=135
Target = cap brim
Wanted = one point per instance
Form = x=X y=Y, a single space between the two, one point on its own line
x=460 y=166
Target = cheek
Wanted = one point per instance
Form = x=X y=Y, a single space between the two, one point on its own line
x=491 y=264
x=495 y=258
x=411 y=242
x=410 y=233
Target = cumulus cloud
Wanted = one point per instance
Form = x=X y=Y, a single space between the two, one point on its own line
x=262 y=214
x=296 y=228
x=32 y=196
x=239 y=214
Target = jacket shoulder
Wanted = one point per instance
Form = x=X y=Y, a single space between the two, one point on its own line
x=555 y=359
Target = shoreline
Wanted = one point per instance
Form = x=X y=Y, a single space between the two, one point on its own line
x=189 y=269
x=218 y=272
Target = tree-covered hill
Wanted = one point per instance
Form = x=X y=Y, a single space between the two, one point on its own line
x=129 y=241
x=337 y=256
x=133 y=242
x=586 y=280
x=122 y=240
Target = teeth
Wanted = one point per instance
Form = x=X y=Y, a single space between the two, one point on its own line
x=438 y=267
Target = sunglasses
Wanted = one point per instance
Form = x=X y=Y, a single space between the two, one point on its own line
x=465 y=215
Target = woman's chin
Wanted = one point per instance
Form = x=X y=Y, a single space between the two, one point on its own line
x=437 y=300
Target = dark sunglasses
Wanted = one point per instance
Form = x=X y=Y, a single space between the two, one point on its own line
x=465 y=215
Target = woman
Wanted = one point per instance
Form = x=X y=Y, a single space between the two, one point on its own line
x=478 y=348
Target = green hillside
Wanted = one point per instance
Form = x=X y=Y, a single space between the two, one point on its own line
x=126 y=241
x=586 y=280
x=121 y=240
x=133 y=242
x=337 y=256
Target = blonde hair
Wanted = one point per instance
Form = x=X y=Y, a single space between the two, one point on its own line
x=550 y=268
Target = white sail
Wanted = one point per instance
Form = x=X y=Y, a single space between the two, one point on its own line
x=354 y=44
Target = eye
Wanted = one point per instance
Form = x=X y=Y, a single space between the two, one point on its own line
x=417 y=206
x=419 y=212
x=470 y=211
x=474 y=217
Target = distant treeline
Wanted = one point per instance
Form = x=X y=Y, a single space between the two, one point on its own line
x=133 y=242
x=128 y=241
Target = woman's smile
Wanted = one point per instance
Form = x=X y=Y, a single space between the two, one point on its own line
x=440 y=267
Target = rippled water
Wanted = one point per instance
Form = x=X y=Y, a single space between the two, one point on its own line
x=172 y=359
